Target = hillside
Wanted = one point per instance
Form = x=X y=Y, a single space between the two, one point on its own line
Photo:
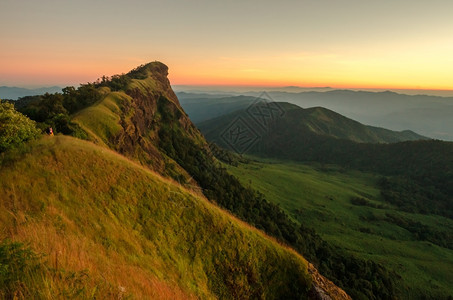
x=427 y=115
x=419 y=172
x=406 y=203
x=137 y=115
x=315 y=120
x=139 y=110
x=93 y=216
x=424 y=114
x=131 y=120
x=346 y=209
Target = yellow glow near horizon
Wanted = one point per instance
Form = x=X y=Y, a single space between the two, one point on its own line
x=395 y=70
x=354 y=43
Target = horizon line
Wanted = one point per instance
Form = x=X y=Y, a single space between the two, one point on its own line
x=31 y=87
x=312 y=87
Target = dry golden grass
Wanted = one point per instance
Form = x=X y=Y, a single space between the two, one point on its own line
x=110 y=274
x=110 y=228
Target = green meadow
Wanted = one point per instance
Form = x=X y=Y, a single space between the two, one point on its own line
x=321 y=197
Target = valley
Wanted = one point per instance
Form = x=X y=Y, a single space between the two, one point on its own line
x=322 y=197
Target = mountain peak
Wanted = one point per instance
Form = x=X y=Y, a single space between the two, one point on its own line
x=151 y=68
x=153 y=76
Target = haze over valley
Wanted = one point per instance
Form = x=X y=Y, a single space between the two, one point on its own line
x=425 y=114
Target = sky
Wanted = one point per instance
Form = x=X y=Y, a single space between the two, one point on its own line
x=349 y=43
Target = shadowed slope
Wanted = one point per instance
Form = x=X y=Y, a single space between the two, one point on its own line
x=311 y=121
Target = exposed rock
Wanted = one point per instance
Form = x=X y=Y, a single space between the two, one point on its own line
x=323 y=288
x=143 y=111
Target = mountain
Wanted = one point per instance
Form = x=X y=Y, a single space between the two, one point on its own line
x=13 y=93
x=403 y=190
x=133 y=210
x=315 y=120
x=103 y=226
x=421 y=171
x=141 y=118
x=326 y=122
x=425 y=114
x=428 y=115
x=133 y=122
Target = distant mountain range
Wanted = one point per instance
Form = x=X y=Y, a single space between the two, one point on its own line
x=428 y=115
x=202 y=107
x=240 y=90
x=298 y=121
x=13 y=93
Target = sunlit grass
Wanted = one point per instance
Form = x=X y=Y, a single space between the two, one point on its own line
x=126 y=231
x=102 y=120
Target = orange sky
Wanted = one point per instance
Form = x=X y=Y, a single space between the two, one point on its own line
x=305 y=43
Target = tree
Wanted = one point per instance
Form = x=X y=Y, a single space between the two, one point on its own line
x=15 y=128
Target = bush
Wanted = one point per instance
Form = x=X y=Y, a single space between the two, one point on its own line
x=15 y=128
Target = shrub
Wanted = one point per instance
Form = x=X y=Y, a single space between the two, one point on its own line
x=15 y=128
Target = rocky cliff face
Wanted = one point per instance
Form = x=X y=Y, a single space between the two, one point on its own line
x=148 y=105
x=159 y=72
x=323 y=288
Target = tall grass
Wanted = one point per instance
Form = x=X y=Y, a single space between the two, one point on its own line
x=106 y=227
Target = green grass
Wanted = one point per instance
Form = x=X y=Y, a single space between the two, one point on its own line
x=103 y=226
x=320 y=197
x=101 y=121
x=144 y=85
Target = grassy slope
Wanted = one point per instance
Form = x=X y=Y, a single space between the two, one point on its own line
x=101 y=121
x=320 y=198
x=109 y=228
x=324 y=121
